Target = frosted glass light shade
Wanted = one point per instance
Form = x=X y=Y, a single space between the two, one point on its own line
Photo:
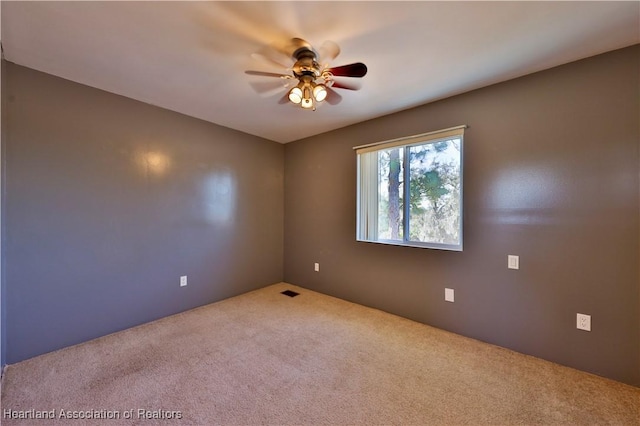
x=295 y=95
x=319 y=92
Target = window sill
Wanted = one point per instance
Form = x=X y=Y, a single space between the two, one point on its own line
x=415 y=244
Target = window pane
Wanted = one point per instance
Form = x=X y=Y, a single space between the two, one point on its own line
x=434 y=192
x=390 y=194
x=409 y=191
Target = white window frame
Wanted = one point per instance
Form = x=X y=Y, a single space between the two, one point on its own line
x=367 y=193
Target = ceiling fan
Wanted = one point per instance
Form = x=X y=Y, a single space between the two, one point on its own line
x=313 y=78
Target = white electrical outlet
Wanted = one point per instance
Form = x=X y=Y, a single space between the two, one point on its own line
x=448 y=294
x=513 y=262
x=583 y=322
x=183 y=281
x=316 y=267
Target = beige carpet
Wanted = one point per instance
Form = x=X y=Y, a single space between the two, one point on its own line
x=264 y=358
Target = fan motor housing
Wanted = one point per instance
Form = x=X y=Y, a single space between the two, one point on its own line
x=306 y=63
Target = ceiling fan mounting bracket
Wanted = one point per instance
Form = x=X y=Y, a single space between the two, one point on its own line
x=300 y=47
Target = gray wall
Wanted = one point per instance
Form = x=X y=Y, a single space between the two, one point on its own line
x=550 y=174
x=109 y=201
x=2 y=322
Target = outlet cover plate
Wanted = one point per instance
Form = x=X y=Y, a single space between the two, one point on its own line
x=183 y=281
x=583 y=322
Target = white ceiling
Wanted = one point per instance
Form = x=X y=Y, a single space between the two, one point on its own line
x=190 y=57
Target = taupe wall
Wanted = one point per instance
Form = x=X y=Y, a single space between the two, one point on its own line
x=2 y=327
x=109 y=201
x=550 y=174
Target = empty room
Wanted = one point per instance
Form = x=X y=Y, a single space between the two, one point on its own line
x=320 y=213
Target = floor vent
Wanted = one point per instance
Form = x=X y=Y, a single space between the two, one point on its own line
x=290 y=293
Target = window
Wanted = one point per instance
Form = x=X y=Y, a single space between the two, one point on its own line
x=424 y=169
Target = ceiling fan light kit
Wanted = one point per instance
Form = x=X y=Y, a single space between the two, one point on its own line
x=307 y=92
x=315 y=81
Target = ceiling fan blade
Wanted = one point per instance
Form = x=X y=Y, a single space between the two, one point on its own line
x=274 y=56
x=347 y=86
x=328 y=51
x=268 y=74
x=270 y=61
x=333 y=97
x=357 y=69
x=268 y=88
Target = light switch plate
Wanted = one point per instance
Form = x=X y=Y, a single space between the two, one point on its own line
x=448 y=294
x=513 y=262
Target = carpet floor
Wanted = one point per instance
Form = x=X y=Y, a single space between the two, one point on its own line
x=265 y=358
